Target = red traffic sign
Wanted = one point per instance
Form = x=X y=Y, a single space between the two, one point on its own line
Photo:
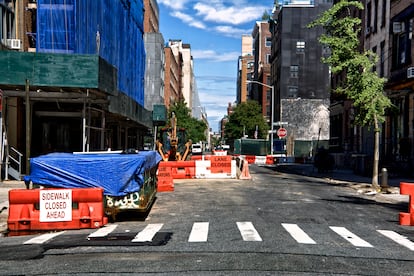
x=281 y=132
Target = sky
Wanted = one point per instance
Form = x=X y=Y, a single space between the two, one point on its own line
x=213 y=28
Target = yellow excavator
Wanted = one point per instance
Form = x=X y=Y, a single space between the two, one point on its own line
x=172 y=144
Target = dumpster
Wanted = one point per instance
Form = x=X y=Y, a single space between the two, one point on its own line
x=129 y=181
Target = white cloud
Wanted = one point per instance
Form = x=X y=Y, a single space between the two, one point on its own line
x=215 y=56
x=198 y=13
x=174 y=4
x=216 y=107
x=234 y=15
x=189 y=20
x=231 y=31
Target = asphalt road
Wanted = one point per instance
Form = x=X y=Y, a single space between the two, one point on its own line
x=274 y=224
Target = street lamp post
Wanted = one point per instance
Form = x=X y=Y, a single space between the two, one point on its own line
x=273 y=110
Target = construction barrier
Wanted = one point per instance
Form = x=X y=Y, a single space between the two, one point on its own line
x=182 y=169
x=217 y=166
x=56 y=209
x=407 y=218
x=270 y=160
x=261 y=160
x=164 y=177
x=206 y=166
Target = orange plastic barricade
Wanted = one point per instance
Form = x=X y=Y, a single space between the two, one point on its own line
x=182 y=169
x=270 y=160
x=250 y=158
x=164 y=177
x=56 y=209
x=407 y=218
x=220 y=164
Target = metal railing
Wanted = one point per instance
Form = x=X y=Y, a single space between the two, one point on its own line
x=14 y=164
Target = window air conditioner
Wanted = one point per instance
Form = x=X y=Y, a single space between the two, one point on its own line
x=410 y=72
x=398 y=27
x=14 y=43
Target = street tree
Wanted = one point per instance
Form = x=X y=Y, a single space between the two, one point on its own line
x=195 y=129
x=361 y=84
x=246 y=119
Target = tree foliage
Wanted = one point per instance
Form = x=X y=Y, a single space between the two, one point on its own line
x=195 y=129
x=362 y=84
x=243 y=120
x=266 y=16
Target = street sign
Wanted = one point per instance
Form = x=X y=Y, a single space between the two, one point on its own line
x=281 y=132
x=55 y=205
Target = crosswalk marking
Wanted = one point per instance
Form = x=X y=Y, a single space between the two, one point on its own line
x=104 y=231
x=199 y=232
x=351 y=237
x=148 y=233
x=398 y=238
x=43 y=238
x=298 y=234
x=248 y=231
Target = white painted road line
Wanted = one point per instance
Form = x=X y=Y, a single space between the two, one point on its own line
x=199 y=232
x=400 y=239
x=351 y=237
x=248 y=231
x=43 y=238
x=298 y=234
x=103 y=232
x=148 y=233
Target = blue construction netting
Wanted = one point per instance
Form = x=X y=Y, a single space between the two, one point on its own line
x=113 y=29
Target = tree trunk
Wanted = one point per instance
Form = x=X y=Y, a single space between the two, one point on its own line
x=375 y=164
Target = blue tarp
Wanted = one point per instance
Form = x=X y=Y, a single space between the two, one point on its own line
x=118 y=174
x=114 y=30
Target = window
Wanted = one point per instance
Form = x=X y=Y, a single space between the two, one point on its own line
x=300 y=46
x=369 y=19
x=294 y=71
x=292 y=92
x=6 y=23
x=376 y=7
x=400 y=48
x=374 y=50
x=382 y=59
x=268 y=41
x=384 y=13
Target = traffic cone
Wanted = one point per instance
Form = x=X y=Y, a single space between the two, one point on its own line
x=245 y=174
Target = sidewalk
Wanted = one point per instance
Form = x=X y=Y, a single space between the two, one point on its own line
x=362 y=184
x=5 y=186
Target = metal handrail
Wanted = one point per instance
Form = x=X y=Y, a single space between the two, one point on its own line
x=13 y=159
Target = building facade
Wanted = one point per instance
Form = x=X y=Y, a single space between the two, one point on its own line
x=398 y=132
x=245 y=68
x=172 y=77
x=83 y=89
x=155 y=56
x=261 y=70
x=301 y=81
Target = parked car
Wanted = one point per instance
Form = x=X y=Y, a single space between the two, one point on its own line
x=196 y=149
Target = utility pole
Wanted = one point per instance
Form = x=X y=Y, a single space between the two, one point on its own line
x=28 y=127
x=273 y=110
